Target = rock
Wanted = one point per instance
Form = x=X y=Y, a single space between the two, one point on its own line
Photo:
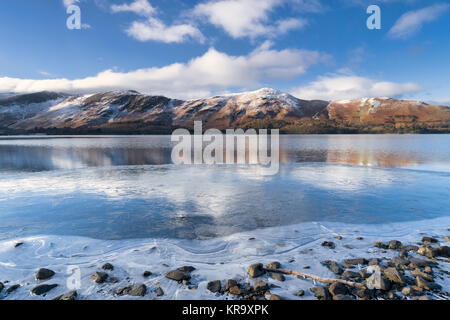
x=178 y=275
x=300 y=293
x=418 y=273
x=256 y=270
x=339 y=237
x=333 y=266
x=113 y=280
x=42 y=288
x=342 y=297
x=12 y=288
x=406 y=291
x=69 y=296
x=410 y=248
x=381 y=245
x=147 y=274
x=2 y=286
x=274 y=297
x=429 y=240
x=99 y=277
x=18 y=244
x=273 y=265
x=214 y=286
x=443 y=251
x=419 y=263
x=351 y=275
x=397 y=261
x=328 y=244
x=337 y=288
x=159 y=292
x=360 y=238
x=393 y=275
x=357 y=261
x=277 y=276
x=364 y=273
x=423 y=284
x=188 y=269
x=44 y=274
x=362 y=293
x=395 y=245
x=108 y=266
x=320 y=293
x=374 y=262
x=138 y=290
x=427 y=251
x=235 y=290
x=428 y=270
x=186 y=282
x=230 y=283
x=260 y=286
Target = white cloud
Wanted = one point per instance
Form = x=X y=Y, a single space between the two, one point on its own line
x=200 y=77
x=140 y=7
x=245 y=18
x=411 y=22
x=153 y=29
x=156 y=30
x=343 y=87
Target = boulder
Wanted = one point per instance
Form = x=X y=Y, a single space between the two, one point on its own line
x=333 y=266
x=214 y=286
x=320 y=293
x=277 y=276
x=69 y=296
x=337 y=288
x=178 y=275
x=99 y=277
x=186 y=269
x=44 y=274
x=429 y=240
x=159 y=292
x=138 y=290
x=356 y=261
x=108 y=266
x=256 y=270
x=230 y=284
x=273 y=265
x=395 y=245
x=42 y=288
x=393 y=275
x=260 y=286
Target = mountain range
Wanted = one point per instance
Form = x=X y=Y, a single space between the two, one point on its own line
x=129 y=112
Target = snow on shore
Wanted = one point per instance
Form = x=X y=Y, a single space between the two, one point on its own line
x=295 y=246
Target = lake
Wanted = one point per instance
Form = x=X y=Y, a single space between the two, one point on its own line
x=125 y=187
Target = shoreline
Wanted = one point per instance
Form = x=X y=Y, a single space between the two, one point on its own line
x=294 y=247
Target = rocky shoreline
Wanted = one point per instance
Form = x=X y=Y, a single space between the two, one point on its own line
x=411 y=273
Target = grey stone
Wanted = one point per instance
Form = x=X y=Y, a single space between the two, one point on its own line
x=159 y=292
x=443 y=251
x=320 y=293
x=1 y=286
x=230 y=284
x=138 y=290
x=214 y=286
x=395 y=245
x=328 y=244
x=429 y=240
x=44 y=274
x=186 y=269
x=334 y=267
x=12 y=288
x=260 y=286
x=397 y=261
x=277 y=276
x=178 y=275
x=147 y=274
x=69 y=296
x=356 y=261
x=42 y=288
x=108 y=266
x=423 y=284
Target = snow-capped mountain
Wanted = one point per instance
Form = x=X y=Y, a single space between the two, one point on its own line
x=130 y=111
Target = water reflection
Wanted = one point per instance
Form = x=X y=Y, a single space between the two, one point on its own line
x=391 y=151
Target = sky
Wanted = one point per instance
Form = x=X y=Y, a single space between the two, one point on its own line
x=313 y=49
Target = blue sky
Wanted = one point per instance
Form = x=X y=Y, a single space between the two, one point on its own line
x=314 y=49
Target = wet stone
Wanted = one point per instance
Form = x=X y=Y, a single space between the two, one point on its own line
x=300 y=293
x=230 y=283
x=393 y=275
x=277 y=276
x=357 y=261
x=338 y=289
x=178 y=275
x=159 y=292
x=69 y=296
x=147 y=274
x=260 y=286
x=12 y=288
x=186 y=269
x=320 y=293
x=273 y=265
x=395 y=245
x=328 y=244
x=429 y=240
x=334 y=267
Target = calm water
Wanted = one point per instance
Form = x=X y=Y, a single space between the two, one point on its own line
x=126 y=187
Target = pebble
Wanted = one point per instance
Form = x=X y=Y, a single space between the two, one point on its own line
x=256 y=270
x=108 y=266
x=44 y=274
x=277 y=276
x=214 y=286
x=147 y=274
x=300 y=293
x=42 y=288
x=99 y=277
x=69 y=296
